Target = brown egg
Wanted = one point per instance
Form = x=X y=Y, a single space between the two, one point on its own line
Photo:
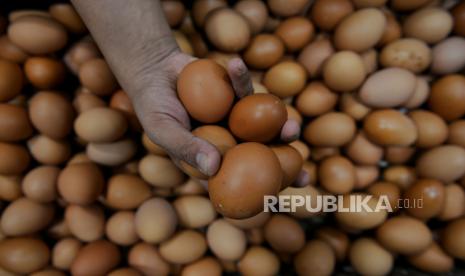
x=404 y=235
x=332 y=129
x=11 y=80
x=40 y=184
x=37 y=34
x=344 y=71
x=392 y=30
x=184 y=247
x=120 y=228
x=370 y=60
x=328 y=13
x=100 y=125
x=316 y=258
x=388 y=88
x=174 y=12
x=389 y=127
x=447 y=96
x=255 y=236
x=360 y=30
x=194 y=211
x=307 y=192
x=257 y=118
x=363 y=219
x=337 y=239
x=448 y=56
x=398 y=154
x=199 y=45
x=87 y=223
x=388 y=189
x=222 y=58
x=14 y=158
x=452 y=239
x=25 y=216
x=9 y=51
x=353 y=107
x=96 y=75
x=362 y=151
x=84 y=101
x=80 y=52
x=420 y=93
x=294 y=114
x=302 y=148
x=14 y=123
x=295 y=32
x=125 y=191
x=458 y=12
x=283 y=8
x=264 y=51
x=225 y=240
x=457 y=133
x=400 y=5
x=160 y=171
x=368 y=257
x=428 y=24
x=431 y=193
x=96 y=258
x=408 y=53
x=255 y=12
x=201 y=8
x=259 y=260
x=313 y=56
x=316 y=99
x=120 y=100
x=10 y=187
x=45 y=107
x=227 y=30
x=80 y=183
x=207 y=265
x=291 y=163
x=402 y=176
x=432 y=260
x=284 y=234
x=155 y=220
x=23 y=255
x=248 y=172
x=256 y=221
x=64 y=252
x=146 y=259
x=48 y=151
x=432 y=129
x=67 y=15
x=44 y=73
x=112 y=154
x=336 y=175
x=205 y=105
x=445 y=163
x=285 y=79
x=127 y=271
x=365 y=176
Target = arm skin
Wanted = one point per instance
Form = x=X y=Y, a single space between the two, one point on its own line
x=138 y=44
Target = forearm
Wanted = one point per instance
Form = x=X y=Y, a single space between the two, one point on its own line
x=133 y=36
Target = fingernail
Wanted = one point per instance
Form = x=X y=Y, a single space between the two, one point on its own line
x=203 y=162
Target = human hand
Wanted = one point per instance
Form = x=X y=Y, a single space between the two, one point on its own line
x=167 y=123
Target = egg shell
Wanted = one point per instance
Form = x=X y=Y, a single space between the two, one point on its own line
x=457 y=133
x=14 y=123
x=452 y=239
x=184 y=247
x=11 y=80
x=10 y=187
x=291 y=163
x=80 y=183
x=447 y=97
x=448 y=56
x=388 y=88
x=432 y=129
x=125 y=191
x=37 y=35
x=208 y=265
x=432 y=194
x=64 y=252
x=316 y=99
x=96 y=258
x=68 y=17
x=399 y=154
x=200 y=9
x=258 y=260
x=112 y=154
x=306 y=191
x=302 y=148
x=420 y=94
x=316 y=257
x=313 y=56
x=392 y=30
x=344 y=71
x=445 y=163
x=388 y=189
x=284 y=234
x=126 y=271
x=249 y=166
x=80 y=52
x=337 y=239
x=155 y=220
x=146 y=259
x=87 y=223
x=408 y=53
x=10 y=51
x=120 y=100
x=360 y=30
x=100 y=125
x=120 y=228
x=332 y=129
x=364 y=219
x=205 y=105
x=160 y=171
x=96 y=75
x=225 y=240
x=227 y=30
x=328 y=13
x=429 y=24
x=285 y=79
x=194 y=211
x=39 y=184
x=362 y=151
x=432 y=260
x=295 y=32
x=255 y=12
x=264 y=51
x=370 y=60
x=44 y=73
x=48 y=151
x=85 y=101
x=336 y=174
x=352 y=106
x=368 y=257
x=287 y=8
x=14 y=158
x=23 y=255
x=218 y=136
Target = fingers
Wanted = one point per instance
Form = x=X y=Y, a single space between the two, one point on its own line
x=240 y=77
x=290 y=131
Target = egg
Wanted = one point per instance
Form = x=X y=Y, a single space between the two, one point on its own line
x=432 y=260
x=155 y=220
x=388 y=127
x=46 y=106
x=40 y=184
x=404 y=235
x=362 y=151
x=80 y=183
x=332 y=129
x=313 y=56
x=316 y=99
x=23 y=255
x=307 y=192
x=11 y=80
x=432 y=129
x=208 y=265
x=408 y=53
x=420 y=94
x=431 y=192
x=248 y=172
x=285 y=8
x=14 y=158
x=328 y=13
x=445 y=163
x=10 y=51
x=302 y=148
x=344 y=71
x=205 y=105
x=285 y=79
x=227 y=29
x=295 y=32
x=402 y=176
x=120 y=100
x=336 y=175
x=96 y=75
x=174 y=12
x=448 y=56
x=68 y=17
x=398 y=154
x=87 y=223
x=388 y=88
x=446 y=98
x=184 y=247
x=392 y=30
x=44 y=73
x=458 y=12
x=85 y=101
x=316 y=257
x=146 y=259
x=264 y=51
x=291 y=163
x=248 y=117
x=360 y=30
x=388 y=189
x=125 y=191
x=284 y=234
x=111 y=154
x=14 y=123
x=37 y=35
x=337 y=239
x=352 y=106
x=227 y=241
x=452 y=239
x=126 y=271
x=369 y=3
x=64 y=252
x=100 y=124
x=456 y=131
x=368 y=257
x=80 y=52
x=160 y=171
x=428 y=24
x=120 y=228
x=365 y=176
x=400 y=5
x=363 y=219
x=256 y=221
x=96 y=258
x=10 y=187
x=258 y=260
x=201 y=8
x=194 y=211
x=370 y=60
x=255 y=12
x=48 y=151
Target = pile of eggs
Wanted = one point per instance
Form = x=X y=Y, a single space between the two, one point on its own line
x=377 y=87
